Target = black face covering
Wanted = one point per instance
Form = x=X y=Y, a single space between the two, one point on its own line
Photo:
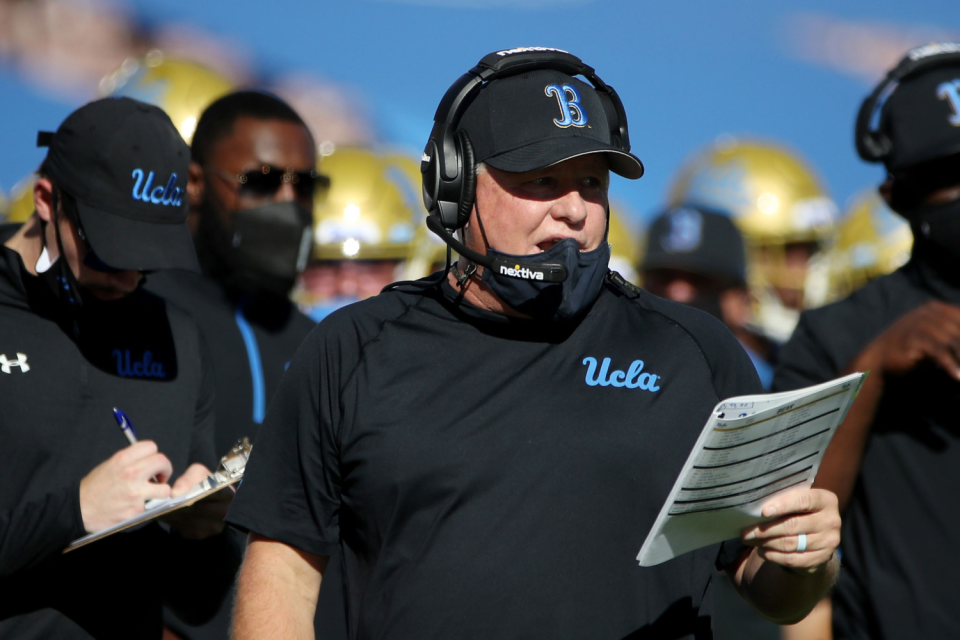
x=938 y=226
x=262 y=250
x=558 y=301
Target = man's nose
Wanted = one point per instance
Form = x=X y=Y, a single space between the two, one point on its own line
x=285 y=193
x=571 y=208
x=126 y=281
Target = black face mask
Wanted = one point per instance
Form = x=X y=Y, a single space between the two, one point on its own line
x=557 y=301
x=262 y=250
x=938 y=228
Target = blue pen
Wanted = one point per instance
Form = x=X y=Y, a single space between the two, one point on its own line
x=125 y=425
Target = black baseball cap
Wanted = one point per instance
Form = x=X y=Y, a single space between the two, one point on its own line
x=918 y=114
x=537 y=119
x=126 y=166
x=696 y=240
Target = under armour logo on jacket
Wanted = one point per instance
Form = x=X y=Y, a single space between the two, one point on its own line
x=571 y=111
x=21 y=362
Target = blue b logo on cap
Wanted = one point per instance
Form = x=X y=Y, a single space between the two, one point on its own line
x=569 y=99
x=168 y=195
x=686 y=231
x=951 y=91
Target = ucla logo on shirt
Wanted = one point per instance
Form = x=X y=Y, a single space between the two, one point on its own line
x=145 y=191
x=633 y=378
x=950 y=91
x=571 y=111
x=145 y=367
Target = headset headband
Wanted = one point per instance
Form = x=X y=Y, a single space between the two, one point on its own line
x=872 y=144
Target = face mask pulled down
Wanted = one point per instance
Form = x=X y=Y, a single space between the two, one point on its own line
x=261 y=250
x=554 y=301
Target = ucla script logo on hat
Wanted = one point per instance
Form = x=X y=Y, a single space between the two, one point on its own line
x=163 y=195
x=571 y=111
x=633 y=378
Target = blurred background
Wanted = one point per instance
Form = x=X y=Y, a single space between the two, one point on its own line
x=370 y=72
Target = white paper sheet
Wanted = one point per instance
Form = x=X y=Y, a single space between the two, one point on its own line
x=752 y=449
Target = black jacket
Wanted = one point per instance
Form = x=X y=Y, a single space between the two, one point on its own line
x=901 y=529
x=251 y=341
x=58 y=388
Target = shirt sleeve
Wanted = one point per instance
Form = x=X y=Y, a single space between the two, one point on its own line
x=32 y=531
x=291 y=488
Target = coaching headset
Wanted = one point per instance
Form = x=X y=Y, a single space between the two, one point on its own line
x=874 y=145
x=448 y=164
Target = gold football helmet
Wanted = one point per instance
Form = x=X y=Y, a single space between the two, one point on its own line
x=624 y=245
x=20 y=206
x=871 y=241
x=785 y=215
x=367 y=214
x=180 y=87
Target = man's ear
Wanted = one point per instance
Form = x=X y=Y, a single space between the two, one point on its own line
x=195 y=185
x=43 y=198
x=886 y=190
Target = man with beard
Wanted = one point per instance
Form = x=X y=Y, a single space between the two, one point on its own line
x=895 y=461
x=451 y=440
x=251 y=193
x=79 y=337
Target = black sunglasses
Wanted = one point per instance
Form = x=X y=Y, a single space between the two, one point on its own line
x=267 y=180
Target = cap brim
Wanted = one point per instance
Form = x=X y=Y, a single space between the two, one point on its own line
x=552 y=151
x=136 y=245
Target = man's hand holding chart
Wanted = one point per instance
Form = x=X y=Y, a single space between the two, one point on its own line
x=752 y=449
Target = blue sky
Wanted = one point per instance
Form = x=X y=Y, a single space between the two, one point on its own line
x=687 y=71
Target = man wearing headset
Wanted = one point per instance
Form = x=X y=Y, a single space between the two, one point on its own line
x=455 y=439
x=895 y=461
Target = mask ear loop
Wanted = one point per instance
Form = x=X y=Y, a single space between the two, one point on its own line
x=69 y=286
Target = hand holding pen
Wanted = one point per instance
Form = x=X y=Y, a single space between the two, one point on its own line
x=118 y=488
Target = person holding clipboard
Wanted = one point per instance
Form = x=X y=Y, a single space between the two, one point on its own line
x=79 y=336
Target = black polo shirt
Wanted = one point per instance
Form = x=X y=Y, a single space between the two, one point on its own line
x=901 y=526
x=252 y=340
x=487 y=477
x=58 y=388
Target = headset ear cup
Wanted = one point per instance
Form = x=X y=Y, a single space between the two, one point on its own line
x=872 y=146
x=468 y=188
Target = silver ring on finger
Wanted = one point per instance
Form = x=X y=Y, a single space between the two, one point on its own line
x=801 y=542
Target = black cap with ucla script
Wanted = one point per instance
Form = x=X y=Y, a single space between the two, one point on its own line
x=126 y=166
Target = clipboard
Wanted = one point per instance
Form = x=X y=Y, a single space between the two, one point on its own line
x=229 y=472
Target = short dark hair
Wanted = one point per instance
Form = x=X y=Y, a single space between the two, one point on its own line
x=216 y=122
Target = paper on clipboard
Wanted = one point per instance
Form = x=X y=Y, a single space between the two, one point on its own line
x=229 y=472
x=751 y=449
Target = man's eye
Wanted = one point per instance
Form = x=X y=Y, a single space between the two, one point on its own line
x=542 y=182
x=593 y=182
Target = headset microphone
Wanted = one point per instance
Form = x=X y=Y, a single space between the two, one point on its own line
x=551 y=271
